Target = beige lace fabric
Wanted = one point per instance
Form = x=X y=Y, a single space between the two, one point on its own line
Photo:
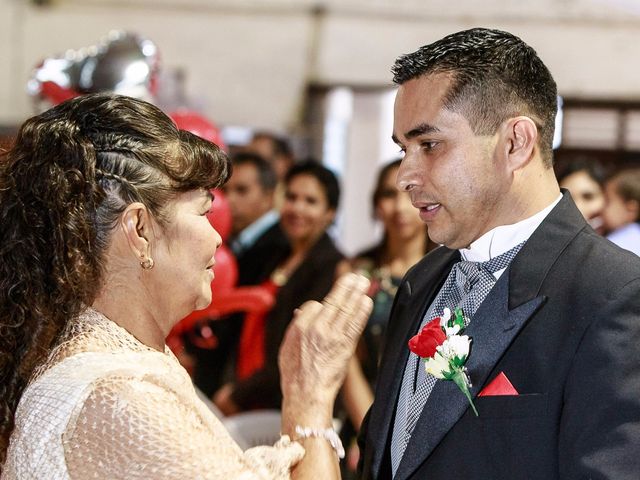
x=106 y=406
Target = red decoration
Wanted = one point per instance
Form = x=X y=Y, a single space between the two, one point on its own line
x=431 y=336
x=198 y=125
x=499 y=386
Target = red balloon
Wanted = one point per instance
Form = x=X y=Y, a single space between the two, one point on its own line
x=226 y=271
x=220 y=214
x=55 y=93
x=197 y=124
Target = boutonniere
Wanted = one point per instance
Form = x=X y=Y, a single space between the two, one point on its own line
x=444 y=350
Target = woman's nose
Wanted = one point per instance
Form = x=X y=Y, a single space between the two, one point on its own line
x=217 y=238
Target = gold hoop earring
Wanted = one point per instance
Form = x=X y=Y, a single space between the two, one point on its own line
x=147 y=264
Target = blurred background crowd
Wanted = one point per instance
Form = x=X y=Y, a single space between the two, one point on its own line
x=299 y=95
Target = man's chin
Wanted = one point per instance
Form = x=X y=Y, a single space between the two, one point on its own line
x=441 y=238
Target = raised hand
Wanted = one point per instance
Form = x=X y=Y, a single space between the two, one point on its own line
x=317 y=347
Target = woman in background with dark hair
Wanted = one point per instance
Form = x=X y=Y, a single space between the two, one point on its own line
x=304 y=271
x=104 y=247
x=621 y=214
x=584 y=179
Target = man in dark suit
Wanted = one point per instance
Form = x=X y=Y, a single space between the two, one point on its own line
x=554 y=363
x=256 y=233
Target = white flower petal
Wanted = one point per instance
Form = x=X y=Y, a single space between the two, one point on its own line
x=436 y=365
x=449 y=331
x=446 y=315
x=458 y=345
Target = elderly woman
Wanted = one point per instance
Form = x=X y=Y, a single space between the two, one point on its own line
x=104 y=246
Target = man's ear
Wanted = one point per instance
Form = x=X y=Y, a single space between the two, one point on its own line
x=136 y=225
x=521 y=136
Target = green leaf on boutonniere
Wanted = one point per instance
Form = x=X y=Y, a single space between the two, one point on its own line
x=458 y=318
x=458 y=361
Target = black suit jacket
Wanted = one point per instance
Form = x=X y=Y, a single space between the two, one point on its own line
x=255 y=263
x=312 y=280
x=563 y=324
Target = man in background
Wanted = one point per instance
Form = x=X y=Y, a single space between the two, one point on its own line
x=255 y=230
x=274 y=149
x=277 y=152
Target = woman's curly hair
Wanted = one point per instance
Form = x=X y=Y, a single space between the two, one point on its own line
x=64 y=183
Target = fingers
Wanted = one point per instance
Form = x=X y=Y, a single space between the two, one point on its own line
x=346 y=293
x=354 y=323
x=305 y=315
x=343 y=311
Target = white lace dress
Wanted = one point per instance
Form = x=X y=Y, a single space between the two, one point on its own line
x=106 y=406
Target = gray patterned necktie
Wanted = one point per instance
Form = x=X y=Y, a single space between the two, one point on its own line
x=467 y=285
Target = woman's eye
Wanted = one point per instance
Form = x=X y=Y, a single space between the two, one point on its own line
x=388 y=193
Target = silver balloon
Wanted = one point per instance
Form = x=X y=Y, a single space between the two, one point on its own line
x=122 y=62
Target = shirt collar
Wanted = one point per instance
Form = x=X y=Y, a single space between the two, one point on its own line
x=505 y=237
x=250 y=234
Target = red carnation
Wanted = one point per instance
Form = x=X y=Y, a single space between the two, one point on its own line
x=424 y=344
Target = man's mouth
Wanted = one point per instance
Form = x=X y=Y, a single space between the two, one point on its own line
x=428 y=211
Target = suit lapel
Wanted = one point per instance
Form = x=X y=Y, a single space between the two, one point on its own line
x=492 y=330
x=406 y=317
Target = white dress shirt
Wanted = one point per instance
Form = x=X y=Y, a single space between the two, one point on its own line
x=503 y=238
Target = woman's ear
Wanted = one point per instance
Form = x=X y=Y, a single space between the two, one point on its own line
x=330 y=217
x=136 y=225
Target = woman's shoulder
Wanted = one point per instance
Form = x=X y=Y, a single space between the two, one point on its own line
x=325 y=250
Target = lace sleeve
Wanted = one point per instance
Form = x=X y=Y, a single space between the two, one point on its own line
x=135 y=429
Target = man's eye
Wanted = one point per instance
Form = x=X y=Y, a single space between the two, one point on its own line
x=429 y=145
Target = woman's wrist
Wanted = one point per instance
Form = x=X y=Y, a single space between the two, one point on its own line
x=306 y=414
x=324 y=434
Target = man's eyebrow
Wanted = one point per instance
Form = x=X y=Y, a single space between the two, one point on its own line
x=417 y=131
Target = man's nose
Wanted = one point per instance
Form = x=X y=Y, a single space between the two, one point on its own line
x=408 y=177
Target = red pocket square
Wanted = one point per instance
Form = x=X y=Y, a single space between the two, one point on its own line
x=498 y=386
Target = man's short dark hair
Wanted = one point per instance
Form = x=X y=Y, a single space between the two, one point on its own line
x=495 y=76
x=279 y=145
x=266 y=176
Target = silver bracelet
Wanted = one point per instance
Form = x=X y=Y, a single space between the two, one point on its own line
x=329 y=434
